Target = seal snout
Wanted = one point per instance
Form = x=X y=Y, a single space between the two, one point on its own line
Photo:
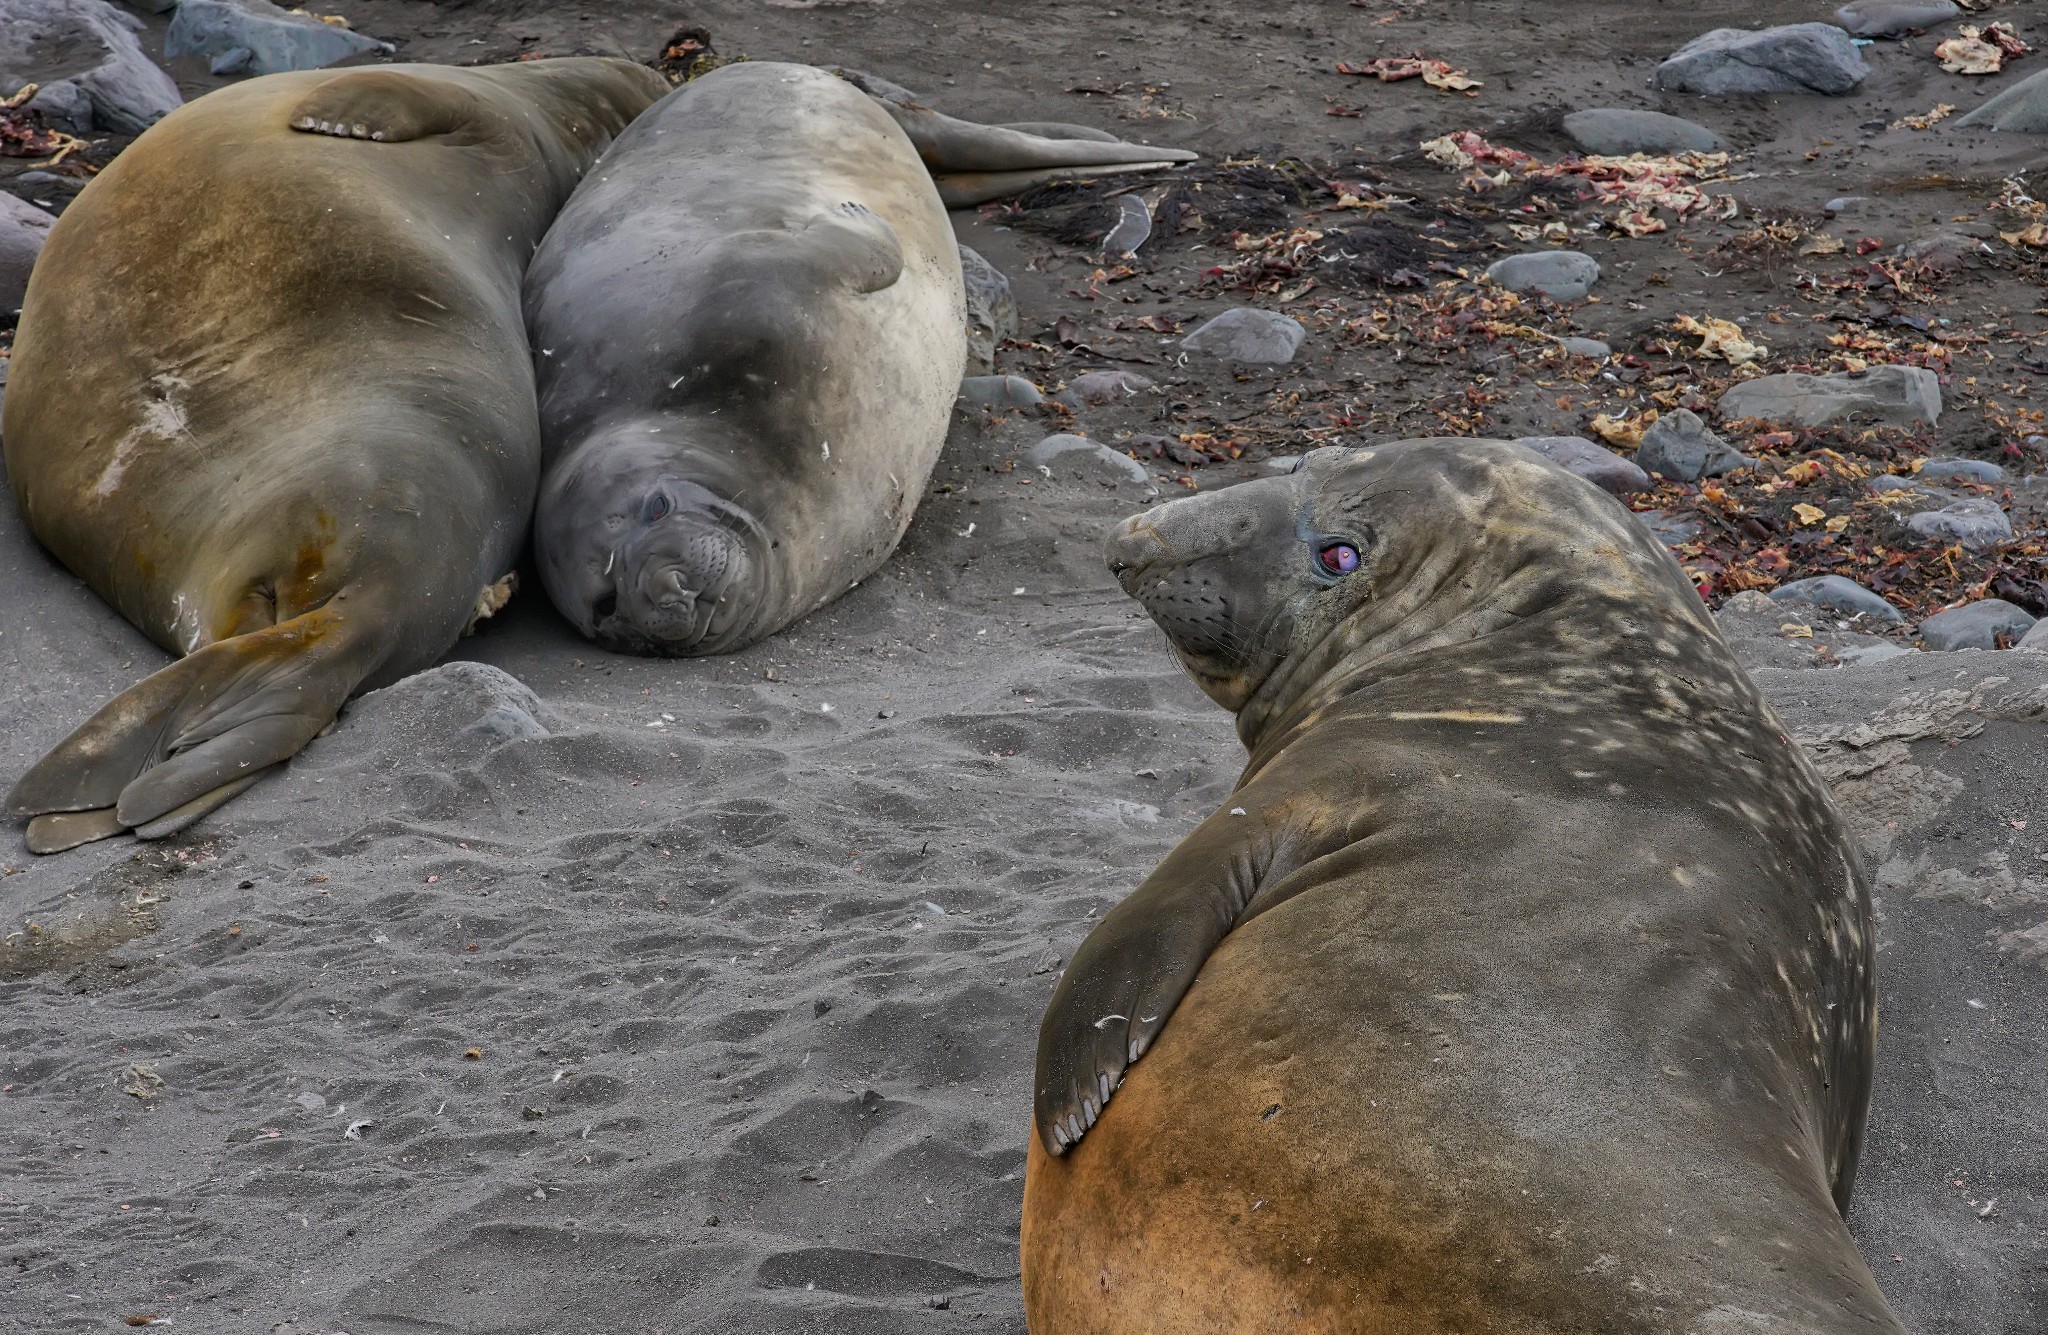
x=684 y=587
x=1134 y=546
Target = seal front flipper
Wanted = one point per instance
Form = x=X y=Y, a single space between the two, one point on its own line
x=852 y=241
x=384 y=106
x=183 y=740
x=1126 y=978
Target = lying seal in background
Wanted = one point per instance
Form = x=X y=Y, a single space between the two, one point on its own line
x=271 y=398
x=1524 y=984
x=750 y=330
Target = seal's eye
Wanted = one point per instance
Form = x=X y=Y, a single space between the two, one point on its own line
x=1339 y=558
x=656 y=507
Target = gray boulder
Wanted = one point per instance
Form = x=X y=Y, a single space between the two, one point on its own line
x=2036 y=639
x=1245 y=334
x=1900 y=395
x=23 y=228
x=91 y=45
x=991 y=311
x=2020 y=109
x=1091 y=389
x=1837 y=594
x=64 y=106
x=1586 y=347
x=1975 y=521
x=1795 y=58
x=1679 y=445
x=1767 y=633
x=1975 y=625
x=1962 y=470
x=1000 y=391
x=1619 y=131
x=276 y=40
x=1078 y=454
x=1561 y=275
x=1598 y=465
x=1888 y=18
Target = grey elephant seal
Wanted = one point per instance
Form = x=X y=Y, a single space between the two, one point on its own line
x=749 y=328
x=1524 y=984
x=271 y=398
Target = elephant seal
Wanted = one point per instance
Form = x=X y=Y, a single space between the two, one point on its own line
x=1525 y=982
x=749 y=327
x=271 y=398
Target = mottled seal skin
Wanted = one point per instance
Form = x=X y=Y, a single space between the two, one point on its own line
x=750 y=328
x=271 y=398
x=1524 y=984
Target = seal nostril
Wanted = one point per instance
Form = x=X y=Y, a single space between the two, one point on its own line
x=606 y=606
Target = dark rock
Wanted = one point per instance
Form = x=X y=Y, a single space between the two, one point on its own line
x=1000 y=391
x=1900 y=395
x=64 y=107
x=1093 y=388
x=1975 y=625
x=1679 y=445
x=1975 y=521
x=23 y=228
x=1598 y=465
x=2020 y=109
x=1796 y=58
x=1561 y=275
x=1248 y=335
x=91 y=45
x=276 y=39
x=1945 y=251
x=1889 y=18
x=1586 y=347
x=1619 y=131
x=1837 y=594
x=1077 y=454
x=991 y=311
x=1670 y=529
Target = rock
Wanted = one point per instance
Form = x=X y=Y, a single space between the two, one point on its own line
x=234 y=61
x=1618 y=131
x=1265 y=338
x=2036 y=639
x=1795 y=58
x=991 y=311
x=91 y=45
x=23 y=228
x=1837 y=594
x=1945 y=251
x=64 y=107
x=277 y=40
x=1598 y=465
x=1870 y=650
x=1900 y=395
x=1679 y=445
x=2020 y=109
x=1670 y=529
x=1975 y=625
x=1587 y=347
x=1561 y=275
x=1000 y=391
x=1889 y=18
x=1764 y=632
x=1848 y=204
x=1074 y=454
x=1884 y=482
x=1962 y=470
x=1093 y=388
x=1975 y=522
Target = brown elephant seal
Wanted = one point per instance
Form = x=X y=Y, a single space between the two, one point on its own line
x=271 y=398
x=1524 y=983
x=749 y=327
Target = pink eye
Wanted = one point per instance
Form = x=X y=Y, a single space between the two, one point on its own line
x=1339 y=558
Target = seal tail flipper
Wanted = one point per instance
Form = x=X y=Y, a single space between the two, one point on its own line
x=182 y=741
x=382 y=105
x=961 y=190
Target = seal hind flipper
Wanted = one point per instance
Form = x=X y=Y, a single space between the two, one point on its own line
x=1128 y=975
x=963 y=190
x=185 y=739
x=383 y=105
x=1060 y=130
